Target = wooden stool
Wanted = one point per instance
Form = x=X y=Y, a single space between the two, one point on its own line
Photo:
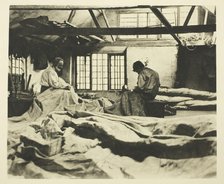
x=155 y=108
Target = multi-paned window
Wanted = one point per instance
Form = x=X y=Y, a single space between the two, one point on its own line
x=83 y=72
x=17 y=73
x=16 y=65
x=175 y=16
x=117 y=70
x=100 y=72
x=138 y=19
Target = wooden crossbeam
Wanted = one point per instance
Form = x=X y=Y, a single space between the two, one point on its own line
x=116 y=31
x=94 y=18
x=83 y=37
x=161 y=17
x=189 y=16
x=78 y=7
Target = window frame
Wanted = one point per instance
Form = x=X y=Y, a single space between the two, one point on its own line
x=17 y=71
x=102 y=76
x=178 y=18
x=108 y=71
x=76 y=71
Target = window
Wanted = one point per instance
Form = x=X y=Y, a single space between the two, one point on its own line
x=17 y=73
x=16 y=65
x=100 y=72
x=83 y=72
x=117 y=71
x=175 y=16
x=139 y=19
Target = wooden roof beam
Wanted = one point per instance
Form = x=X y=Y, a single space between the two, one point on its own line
x=96 y=38
x=163 y=19
x=83 y=37
x=71 y=16
x=78 y=7
x=116 y=31
x=189 y=16
x=94 y=18
x=107 y=23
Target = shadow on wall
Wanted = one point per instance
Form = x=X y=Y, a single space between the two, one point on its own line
x=196 y=68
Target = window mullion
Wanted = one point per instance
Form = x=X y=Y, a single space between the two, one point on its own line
x=97 y=74
x=90 y=70
x=120 y=71
x=85 y=70
x=109 y=71
x=102 y=62
x=137 y=23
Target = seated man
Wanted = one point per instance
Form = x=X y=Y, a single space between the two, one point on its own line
x=133 y=102
x=50 y=76
x=148 y=81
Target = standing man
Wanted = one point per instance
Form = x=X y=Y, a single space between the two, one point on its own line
x=50 y=77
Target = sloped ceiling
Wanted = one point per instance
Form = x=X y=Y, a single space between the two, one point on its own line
x=82 y=18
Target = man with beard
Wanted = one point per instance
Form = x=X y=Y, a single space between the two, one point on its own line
x=50 y=77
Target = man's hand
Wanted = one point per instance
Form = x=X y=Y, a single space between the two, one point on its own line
x=68 y=87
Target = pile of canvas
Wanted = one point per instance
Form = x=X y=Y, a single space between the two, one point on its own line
x=188 y=99
x=99 y=145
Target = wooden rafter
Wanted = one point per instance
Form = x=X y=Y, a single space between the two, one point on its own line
x=83 y=37
x=71 y=16
x=161 y=17
x=117 y=31
x=89 y=38
x=189 y=16
x=107 y=22
x=76 y=7
x=94 y=18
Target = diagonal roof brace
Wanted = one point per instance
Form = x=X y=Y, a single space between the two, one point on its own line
x=94 y=18
x=106 y=21
x=189 y=16
x=161 y=17
x=71 y=16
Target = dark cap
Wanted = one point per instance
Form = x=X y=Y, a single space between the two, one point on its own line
x=138 y=65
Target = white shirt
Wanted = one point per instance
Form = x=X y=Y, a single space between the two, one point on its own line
x=148 y=81
x=49 y=78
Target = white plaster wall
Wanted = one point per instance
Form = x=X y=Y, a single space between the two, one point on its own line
x=161 y=59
